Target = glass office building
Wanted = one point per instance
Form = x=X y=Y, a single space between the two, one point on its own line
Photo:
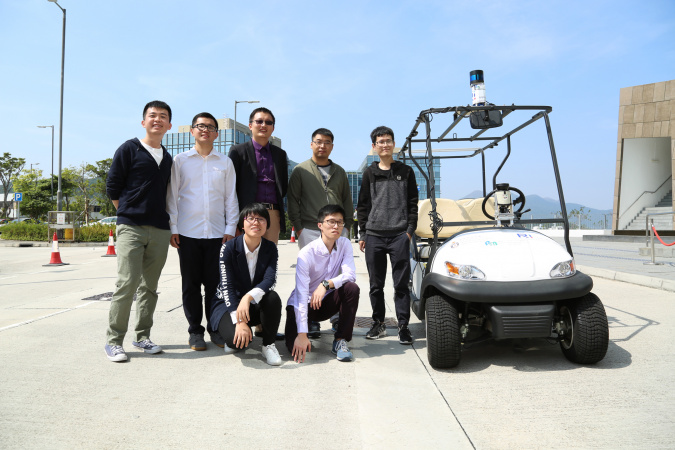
x=355 y=177
x=183 y=141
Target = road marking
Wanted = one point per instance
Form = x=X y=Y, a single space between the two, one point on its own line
x=44 y=317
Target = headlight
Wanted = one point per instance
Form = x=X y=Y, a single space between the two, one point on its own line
x=464 y=272
x=563 y=269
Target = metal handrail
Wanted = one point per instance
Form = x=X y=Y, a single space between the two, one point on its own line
x=646 y=192
x=651 y=233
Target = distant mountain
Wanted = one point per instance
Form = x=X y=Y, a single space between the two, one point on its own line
x=545 y=208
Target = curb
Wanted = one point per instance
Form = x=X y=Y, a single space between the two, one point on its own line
x=641 y=280
x=49 y=244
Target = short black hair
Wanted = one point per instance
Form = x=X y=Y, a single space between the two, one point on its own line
x=157 y=104
x=256 y=209
x=381 y=131
x=324 y=132
x=204 y=115
x=330 y=209
x=262 y=109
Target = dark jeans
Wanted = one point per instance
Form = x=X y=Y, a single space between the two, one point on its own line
x=344 y=300
x=266 y=312
x=398 y=249
x=198 y=266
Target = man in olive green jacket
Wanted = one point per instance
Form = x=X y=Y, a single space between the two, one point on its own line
x=314 y=184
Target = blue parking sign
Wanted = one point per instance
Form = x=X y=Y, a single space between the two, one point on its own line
x=18 y=196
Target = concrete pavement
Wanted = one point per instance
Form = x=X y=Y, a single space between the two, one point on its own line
x=58 y=390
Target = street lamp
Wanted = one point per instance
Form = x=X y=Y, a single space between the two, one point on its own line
x=52 y=180
x=32 y=173
x=59 y=193
x=234 y=128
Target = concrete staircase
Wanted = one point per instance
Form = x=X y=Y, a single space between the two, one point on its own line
x=664 y=222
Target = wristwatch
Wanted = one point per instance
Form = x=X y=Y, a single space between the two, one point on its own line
x=326 y=284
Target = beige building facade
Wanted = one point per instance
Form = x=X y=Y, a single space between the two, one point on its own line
x=645 y=157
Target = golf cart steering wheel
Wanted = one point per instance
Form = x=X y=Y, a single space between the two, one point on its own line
x=520 y=199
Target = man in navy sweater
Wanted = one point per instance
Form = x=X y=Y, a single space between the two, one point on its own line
x=137 y=185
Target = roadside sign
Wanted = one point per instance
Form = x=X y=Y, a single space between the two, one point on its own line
x=18 y=196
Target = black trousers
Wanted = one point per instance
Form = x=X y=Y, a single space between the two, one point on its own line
x=398 y=249
x=198 y=267
x=344 y=300
x=266 y=312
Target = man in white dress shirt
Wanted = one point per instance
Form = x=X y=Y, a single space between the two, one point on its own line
x=203 y=213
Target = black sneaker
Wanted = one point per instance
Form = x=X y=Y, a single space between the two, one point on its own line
x=314 y=331
x=378 y=330
x=404 y=336
x=197 y=342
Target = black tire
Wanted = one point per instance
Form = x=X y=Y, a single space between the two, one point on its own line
x=444 y=345
x=586 y=329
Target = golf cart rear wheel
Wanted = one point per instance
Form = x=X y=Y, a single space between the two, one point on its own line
x=586 y=332
x=443 y=340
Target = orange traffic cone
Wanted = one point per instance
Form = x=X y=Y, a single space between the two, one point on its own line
x=111 y=246
x=292 y=235
x=56 y=256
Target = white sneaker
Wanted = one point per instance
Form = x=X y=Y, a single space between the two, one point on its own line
x=229 y=350
x=271 y=353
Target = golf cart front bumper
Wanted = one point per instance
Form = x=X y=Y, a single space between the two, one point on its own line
x=510 y=292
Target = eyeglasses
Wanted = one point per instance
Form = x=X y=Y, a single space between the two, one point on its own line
x=384 y=143
x=260 y=122
x=251 y=219
x=204 y=127
x=320 y=143
x=331 y=223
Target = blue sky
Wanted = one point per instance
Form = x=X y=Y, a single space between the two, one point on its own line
x=348 y=66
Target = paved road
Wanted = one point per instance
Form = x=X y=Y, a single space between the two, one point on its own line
x=58 y=390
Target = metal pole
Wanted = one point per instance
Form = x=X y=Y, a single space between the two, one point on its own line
x=59 y=192
x=651 y=233
x=234 y=126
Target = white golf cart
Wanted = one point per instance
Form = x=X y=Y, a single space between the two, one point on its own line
x=477 y=271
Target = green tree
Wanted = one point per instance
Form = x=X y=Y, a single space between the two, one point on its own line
x=100 y=170
x=10 y=168
x=81 y=197
x=37 y=200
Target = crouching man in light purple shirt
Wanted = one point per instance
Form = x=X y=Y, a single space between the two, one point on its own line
x=324 y=285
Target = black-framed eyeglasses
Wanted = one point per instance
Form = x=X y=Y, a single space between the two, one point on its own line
x=383 y=143
x=204 y=127
x=320 y=143
x=331 y=223
x=260 y=122
x=252 y=219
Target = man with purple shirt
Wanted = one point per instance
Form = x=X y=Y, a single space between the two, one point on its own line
x=262 y=171
x=325 y=278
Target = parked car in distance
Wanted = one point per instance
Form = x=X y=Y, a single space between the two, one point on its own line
x=105 y=221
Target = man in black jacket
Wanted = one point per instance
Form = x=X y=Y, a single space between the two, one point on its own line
x=387 y=217
x=262 y=171
x=137 y=185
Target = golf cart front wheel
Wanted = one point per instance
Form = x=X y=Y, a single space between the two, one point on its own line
x=444 y=345
x=585 y=329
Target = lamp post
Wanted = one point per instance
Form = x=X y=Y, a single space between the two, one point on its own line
x=33 y=173
x=234 y=128
x=52 y=179
x=59 y=193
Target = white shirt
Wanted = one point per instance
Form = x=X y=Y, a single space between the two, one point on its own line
x=251 y=261
x=315 y=264
x=156 y=153
x=202 y=199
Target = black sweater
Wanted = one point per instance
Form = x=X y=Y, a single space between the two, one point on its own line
x=140 y=185
x=388 y=200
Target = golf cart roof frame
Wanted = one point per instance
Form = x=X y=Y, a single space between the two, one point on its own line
x=460 y=113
